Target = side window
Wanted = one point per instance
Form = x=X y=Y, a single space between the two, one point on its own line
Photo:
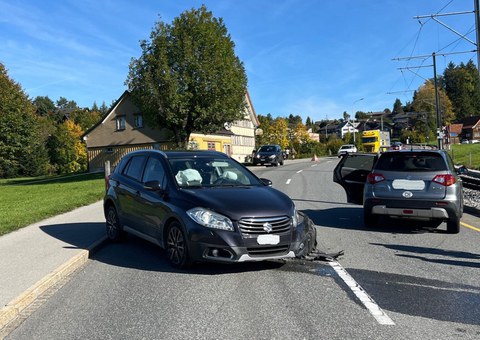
x=134 y=168
x=154 y=171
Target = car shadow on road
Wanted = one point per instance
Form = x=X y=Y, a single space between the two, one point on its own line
x=78 y=235
x=352 y=218
x=424 y=297
x=137 y=253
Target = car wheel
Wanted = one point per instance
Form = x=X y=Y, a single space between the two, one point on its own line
x=281 y=162
x=453 y=226
x=370 y=220
x=114 y=231
x=177 y=250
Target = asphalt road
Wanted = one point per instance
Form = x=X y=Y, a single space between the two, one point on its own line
x=399 y=281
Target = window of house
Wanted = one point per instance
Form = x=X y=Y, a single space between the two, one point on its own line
x=121 y=121
x=211 y=145
x=138 y=121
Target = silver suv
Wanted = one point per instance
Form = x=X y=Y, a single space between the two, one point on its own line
x=407 y=184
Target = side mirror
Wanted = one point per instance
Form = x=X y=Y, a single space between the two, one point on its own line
x=462 y=170
x=267 y=182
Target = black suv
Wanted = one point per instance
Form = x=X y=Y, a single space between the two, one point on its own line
x=269 y=154
x=203 y=206
x=415 y=184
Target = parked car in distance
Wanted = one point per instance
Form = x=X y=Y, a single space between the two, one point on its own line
x=408 y=184
x=347 y=148
x=269 y=154
x=203 y=206
x=396 y=146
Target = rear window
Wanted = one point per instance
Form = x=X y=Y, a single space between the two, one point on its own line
x=411 y=162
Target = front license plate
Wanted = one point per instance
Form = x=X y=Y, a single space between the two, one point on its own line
x=268 y=239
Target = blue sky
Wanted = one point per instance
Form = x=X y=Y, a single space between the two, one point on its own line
x=315 y=58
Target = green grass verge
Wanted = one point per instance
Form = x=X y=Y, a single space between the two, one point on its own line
x=27 y=200
x=466 y=154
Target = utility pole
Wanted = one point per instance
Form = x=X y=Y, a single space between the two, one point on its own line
x=437 y=104
x=477 y=27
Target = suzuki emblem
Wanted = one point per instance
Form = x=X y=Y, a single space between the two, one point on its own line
x=407 y=194
x=267 y=227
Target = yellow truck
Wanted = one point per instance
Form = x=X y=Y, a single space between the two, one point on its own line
x=375 y=140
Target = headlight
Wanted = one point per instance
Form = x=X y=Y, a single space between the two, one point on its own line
x=296 y=218
x=271 y=156
x=210 y=219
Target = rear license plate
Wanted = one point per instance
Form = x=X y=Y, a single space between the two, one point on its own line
x=405 y=184
x=268 y=239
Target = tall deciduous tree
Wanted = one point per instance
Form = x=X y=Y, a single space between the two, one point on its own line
x=21 y=146
x=188 y=78
x=424 y=103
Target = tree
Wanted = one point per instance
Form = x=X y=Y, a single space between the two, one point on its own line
x=424 y=103
x=188 y=78
x=294 y=120
x=461 y=84
x=67 y=153
x=397 y=107
x=22 y=151
x=45 y=106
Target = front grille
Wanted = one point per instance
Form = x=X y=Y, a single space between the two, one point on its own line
x=257 y=226
x=268 y=251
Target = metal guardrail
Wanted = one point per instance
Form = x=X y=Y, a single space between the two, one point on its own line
x=470 y=178
x=470 y=182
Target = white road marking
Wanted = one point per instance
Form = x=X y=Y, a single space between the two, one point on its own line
x=299 y=171
x=288 y=181
x=381 y=317
x=313 y=165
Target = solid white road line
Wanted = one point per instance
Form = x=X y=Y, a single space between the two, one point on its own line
x=381 y=317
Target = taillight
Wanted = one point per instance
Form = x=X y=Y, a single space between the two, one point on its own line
x=375 y=177
x=445 y=180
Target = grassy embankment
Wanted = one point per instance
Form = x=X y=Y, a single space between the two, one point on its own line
x=27 y=200
x=466 y=154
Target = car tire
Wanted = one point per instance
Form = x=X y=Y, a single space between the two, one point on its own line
x=281 y=163
x=370 y=220
x=453 y=226
x=176 y=246
x=114 y=230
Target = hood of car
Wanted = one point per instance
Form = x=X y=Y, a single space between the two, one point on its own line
x=238 y=202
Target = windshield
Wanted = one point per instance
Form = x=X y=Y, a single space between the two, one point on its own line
x=202 y=172
x=411 y=162
x=267 y=148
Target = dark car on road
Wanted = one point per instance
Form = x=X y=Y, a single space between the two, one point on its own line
x=203 y=206
x=269 y=154
x=407 y=184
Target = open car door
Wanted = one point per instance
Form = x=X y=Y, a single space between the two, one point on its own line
x=351 y=173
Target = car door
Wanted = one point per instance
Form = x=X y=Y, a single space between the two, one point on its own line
x=129 y=193
x=351 y=173
x=154 y=207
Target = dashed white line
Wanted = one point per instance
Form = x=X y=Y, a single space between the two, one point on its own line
x=299 y=171
x=381 y=317
x=288 y=181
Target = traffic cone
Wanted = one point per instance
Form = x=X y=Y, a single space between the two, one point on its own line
x=314 y=158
